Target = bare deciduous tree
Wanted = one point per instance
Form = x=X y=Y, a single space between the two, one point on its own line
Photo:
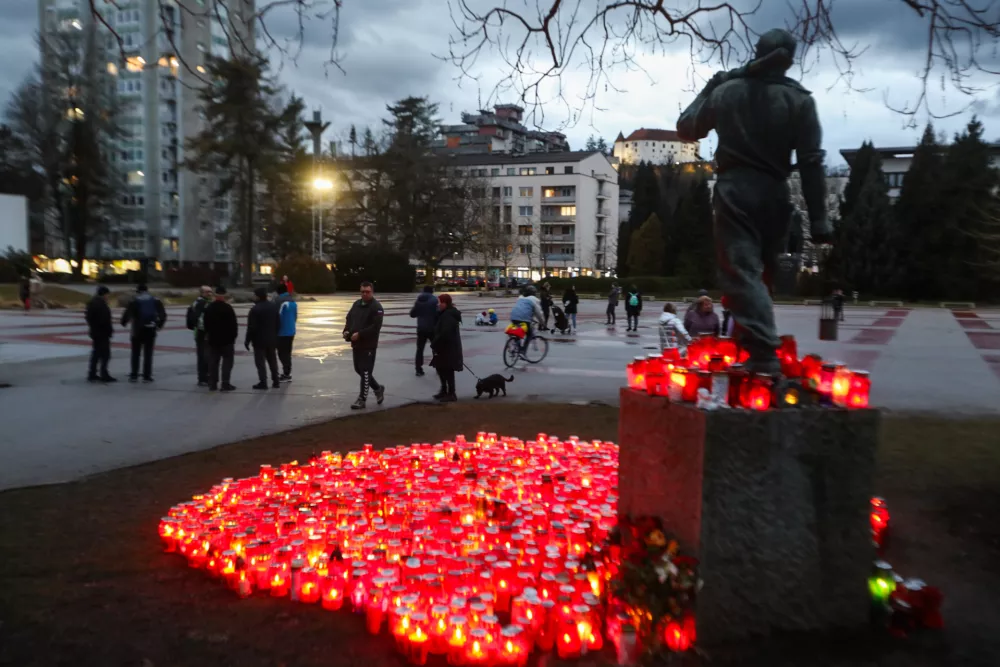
x=539 y=41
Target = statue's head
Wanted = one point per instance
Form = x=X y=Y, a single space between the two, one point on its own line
x=773 y=40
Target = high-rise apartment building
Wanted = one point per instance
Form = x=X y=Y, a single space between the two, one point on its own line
x=156 y=50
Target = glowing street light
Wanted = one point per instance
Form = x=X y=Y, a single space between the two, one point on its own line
x=322 y=184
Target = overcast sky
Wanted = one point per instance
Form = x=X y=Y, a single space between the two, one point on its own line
x=388 y=49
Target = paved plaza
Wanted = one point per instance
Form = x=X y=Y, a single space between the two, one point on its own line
x=57 y=427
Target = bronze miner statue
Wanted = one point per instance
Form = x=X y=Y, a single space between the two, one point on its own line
x=761 y=116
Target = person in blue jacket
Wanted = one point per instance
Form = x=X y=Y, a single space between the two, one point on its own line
x=288 y=311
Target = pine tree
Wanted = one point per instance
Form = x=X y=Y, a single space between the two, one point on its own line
x=968 y=198
x=864 y=255
x=287 y=212
x=645 y=256
x=238 y=141
x=864 y=161
x=352 y=139
x=918 y=213
x=694 y=225
x=645 y=202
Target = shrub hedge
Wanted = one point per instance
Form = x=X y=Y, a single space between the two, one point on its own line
x=388 y=271
x=308 y=275
x=655 y=285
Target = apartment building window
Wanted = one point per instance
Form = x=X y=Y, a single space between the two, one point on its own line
x=511 y=171
x=524 y=249
x=567 y=210
x=525 y=210
x=567 y=229
x=506 y=213
x=567 y=170
x=550 y=170
x=527 y=171
x=495 y=171
x=508 y=191
x=566 y=250
x=133 y=240
x=496 y=193
x=894 y=179
x=525 y=230
x=525 y=192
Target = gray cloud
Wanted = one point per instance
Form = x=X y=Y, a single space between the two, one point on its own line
x=18 y=50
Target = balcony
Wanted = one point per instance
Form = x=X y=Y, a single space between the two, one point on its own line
x=559 y=238
x=602 y=214
x=558 y=199
x=558 y=218
x=602 y=196
x=559 y=258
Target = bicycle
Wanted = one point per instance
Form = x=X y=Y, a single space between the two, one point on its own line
x=536 y=350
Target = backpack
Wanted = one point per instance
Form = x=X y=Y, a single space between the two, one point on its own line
x=145 y=312
x=633 y=300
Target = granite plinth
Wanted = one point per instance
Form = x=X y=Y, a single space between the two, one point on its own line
x=773 y=504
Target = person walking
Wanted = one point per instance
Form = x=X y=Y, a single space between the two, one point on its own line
x=425 y=311
x=612 y=303
x=24 y=292
x=633 y=308
x=571 y=301
x=838 y=304
x=364 y=322
x=147 y=316
x=289 y=286
x=545 y=297
x=702 y=320
x=673 y=333
x=221 y=330
x=288 y=312
x=447 y=348
x=101 y=330
x=263 y=324
x=196 y=324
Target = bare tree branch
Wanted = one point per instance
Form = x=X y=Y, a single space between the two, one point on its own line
x=541 y=42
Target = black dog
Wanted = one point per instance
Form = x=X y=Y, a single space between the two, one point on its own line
x=493 y=385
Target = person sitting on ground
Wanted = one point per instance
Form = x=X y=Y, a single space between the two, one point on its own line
x=482 y=319
x=702 y=320
x=673 y=334
x=493 y=316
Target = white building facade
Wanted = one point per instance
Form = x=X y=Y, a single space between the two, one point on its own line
x=654 y=147
x=559 y=210
x=896 y=162
x=167 y=215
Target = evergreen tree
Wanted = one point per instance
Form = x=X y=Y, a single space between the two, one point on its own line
x=287 y=210
x=645 y=202
x=352 y=138
x=864 y=161
x=645 y=256
x=696 y=256
x=864 y=253
x=970 y=182
x=238 y=141
x=918 y=213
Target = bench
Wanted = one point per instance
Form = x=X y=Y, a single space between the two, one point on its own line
x=958 y=305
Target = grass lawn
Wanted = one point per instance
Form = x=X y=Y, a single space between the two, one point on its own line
x=63 y=296
x=84 y=581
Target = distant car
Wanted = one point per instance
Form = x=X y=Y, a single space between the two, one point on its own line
x=493 y=283
x=472 y=281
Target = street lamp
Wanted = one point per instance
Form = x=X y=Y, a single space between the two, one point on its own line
x=320 y=185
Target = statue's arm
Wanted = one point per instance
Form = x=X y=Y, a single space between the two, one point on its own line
x=809 y=155
x=699 y=118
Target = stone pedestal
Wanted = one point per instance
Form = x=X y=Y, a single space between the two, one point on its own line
x=773 y=504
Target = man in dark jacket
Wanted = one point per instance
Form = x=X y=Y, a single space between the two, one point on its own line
x=147 y=316
x=364 y=322
x=221 y=330
x=425 y=310
x=263 y=323
x=761 y=117
x=101 y=329
x=633 y=308
x=196 y=324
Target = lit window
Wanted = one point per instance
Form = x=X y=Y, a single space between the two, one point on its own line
x=525 y=192
x=527 y=171
x=549 y=192
x=136 y=178
x=567 y=210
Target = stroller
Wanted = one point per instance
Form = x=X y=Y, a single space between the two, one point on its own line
x=560 y=320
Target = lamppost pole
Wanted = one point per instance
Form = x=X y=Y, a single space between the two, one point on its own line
x=316 y=127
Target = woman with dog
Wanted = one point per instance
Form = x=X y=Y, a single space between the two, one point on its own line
x=447 y=348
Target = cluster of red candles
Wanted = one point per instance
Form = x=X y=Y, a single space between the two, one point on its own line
x=716 y=365
x=433 y=544
x=878 y=516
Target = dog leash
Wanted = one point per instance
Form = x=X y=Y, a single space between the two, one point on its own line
x=471 y=371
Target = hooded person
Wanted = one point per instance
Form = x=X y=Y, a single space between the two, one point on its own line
x=425 y=312
x=761 y=116
x=447 y=347
x=100 y=329
x=288 y=312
